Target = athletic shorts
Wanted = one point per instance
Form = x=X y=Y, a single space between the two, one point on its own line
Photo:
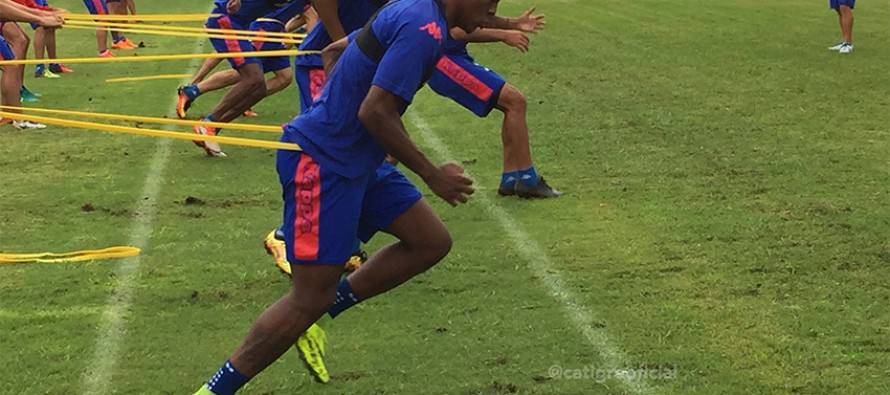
x=835 y=4
x=231 y=45
x=270 y=64
x=471 y=85
x=324 y=212
x=39 y=2
x=310 y=82
x=97 y=7
x=5 y=50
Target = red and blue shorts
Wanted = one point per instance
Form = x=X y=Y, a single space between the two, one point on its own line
x=97 y=7
x=5 y=50
x=326 y=214
x=471 y=85
x=270 y=64
x=310 y=82
x=231 y=44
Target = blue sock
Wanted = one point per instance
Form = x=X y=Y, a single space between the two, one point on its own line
x=508 y=179
x=279 y=233
x=211 y=118
x=191 y=91
x=227 y=380
x=528 y=177
x=117 y=37
x=40 y=68
x=345 y=299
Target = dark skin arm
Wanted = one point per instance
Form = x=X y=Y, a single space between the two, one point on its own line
x=331 y=54
x=327 y=13
x=380 y=115
x=527 y=22
x=512 y=38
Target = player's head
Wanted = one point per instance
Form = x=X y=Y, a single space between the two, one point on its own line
x=469 y=14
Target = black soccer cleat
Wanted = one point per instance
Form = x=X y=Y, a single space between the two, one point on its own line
x=540 y=191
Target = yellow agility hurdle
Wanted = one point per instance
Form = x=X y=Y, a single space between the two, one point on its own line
x=153 y=132
x=150 y=77
x=256 y=37
x=76 y=256
x=136 y=118
x=185 y=29
x=141 y=17
x=151 y=58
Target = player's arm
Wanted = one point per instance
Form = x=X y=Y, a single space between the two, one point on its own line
x=233 y=6
x=512 y=38
x=293 y=24
x=327 y=13
x=13 y=12
x=380 y=115
x=527 y=22
x=331 y=54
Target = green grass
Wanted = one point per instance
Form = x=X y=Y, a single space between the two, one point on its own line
x=726 y=214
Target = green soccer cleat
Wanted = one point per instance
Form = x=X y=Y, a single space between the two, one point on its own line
x=310 y=347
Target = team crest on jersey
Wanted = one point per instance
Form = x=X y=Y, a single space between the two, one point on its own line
x=433 y=29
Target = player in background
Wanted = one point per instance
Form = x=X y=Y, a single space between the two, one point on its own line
x=844 y=9
x=285 y=19
x=11 y=80
x=479 y=89
x=119 y=40
x=251 y=87
x=45 y=44
x=345 y=135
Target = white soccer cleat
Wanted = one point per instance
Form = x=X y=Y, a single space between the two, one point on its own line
x=837 y=47
x=27 y=125
x=846 y=48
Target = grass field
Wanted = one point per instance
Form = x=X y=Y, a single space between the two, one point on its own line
x=725 y=222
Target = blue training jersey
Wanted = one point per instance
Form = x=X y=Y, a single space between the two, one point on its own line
x=353 y=14
x=250 y=9
x=410 y=34
x=286 y=13
x=454 y=47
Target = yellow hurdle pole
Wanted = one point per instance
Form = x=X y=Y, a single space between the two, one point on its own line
x=74 y=256
x=151 y=58
x=150 y=77
x=199 y=35
x=154 y=132
x=184 y=29
x=170 y=121
x=141 y=17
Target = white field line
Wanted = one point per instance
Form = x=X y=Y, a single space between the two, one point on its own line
x=539 y=262
x=113 y=331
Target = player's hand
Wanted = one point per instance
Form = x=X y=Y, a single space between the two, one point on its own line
x=529 y=23
x=60 y=11
x=450 y=184
x=518 y=40
x=233 y=6
x=50 y=20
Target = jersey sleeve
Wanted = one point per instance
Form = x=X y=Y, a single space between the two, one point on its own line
x=414 y=48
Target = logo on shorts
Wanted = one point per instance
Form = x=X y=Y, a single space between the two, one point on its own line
x=433 y=29
x=306 y=190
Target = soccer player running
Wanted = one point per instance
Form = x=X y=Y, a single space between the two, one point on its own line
x=345 y=135
x=251 y=88
x=11 y=80
x=278 y=21
x=479 y=89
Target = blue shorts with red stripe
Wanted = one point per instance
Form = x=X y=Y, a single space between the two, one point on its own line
x=231 y=45
x=471 y=85
x=270 y=64
x=5 y=50
x=96 y=7
x=324 y=213
x=310 y=82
